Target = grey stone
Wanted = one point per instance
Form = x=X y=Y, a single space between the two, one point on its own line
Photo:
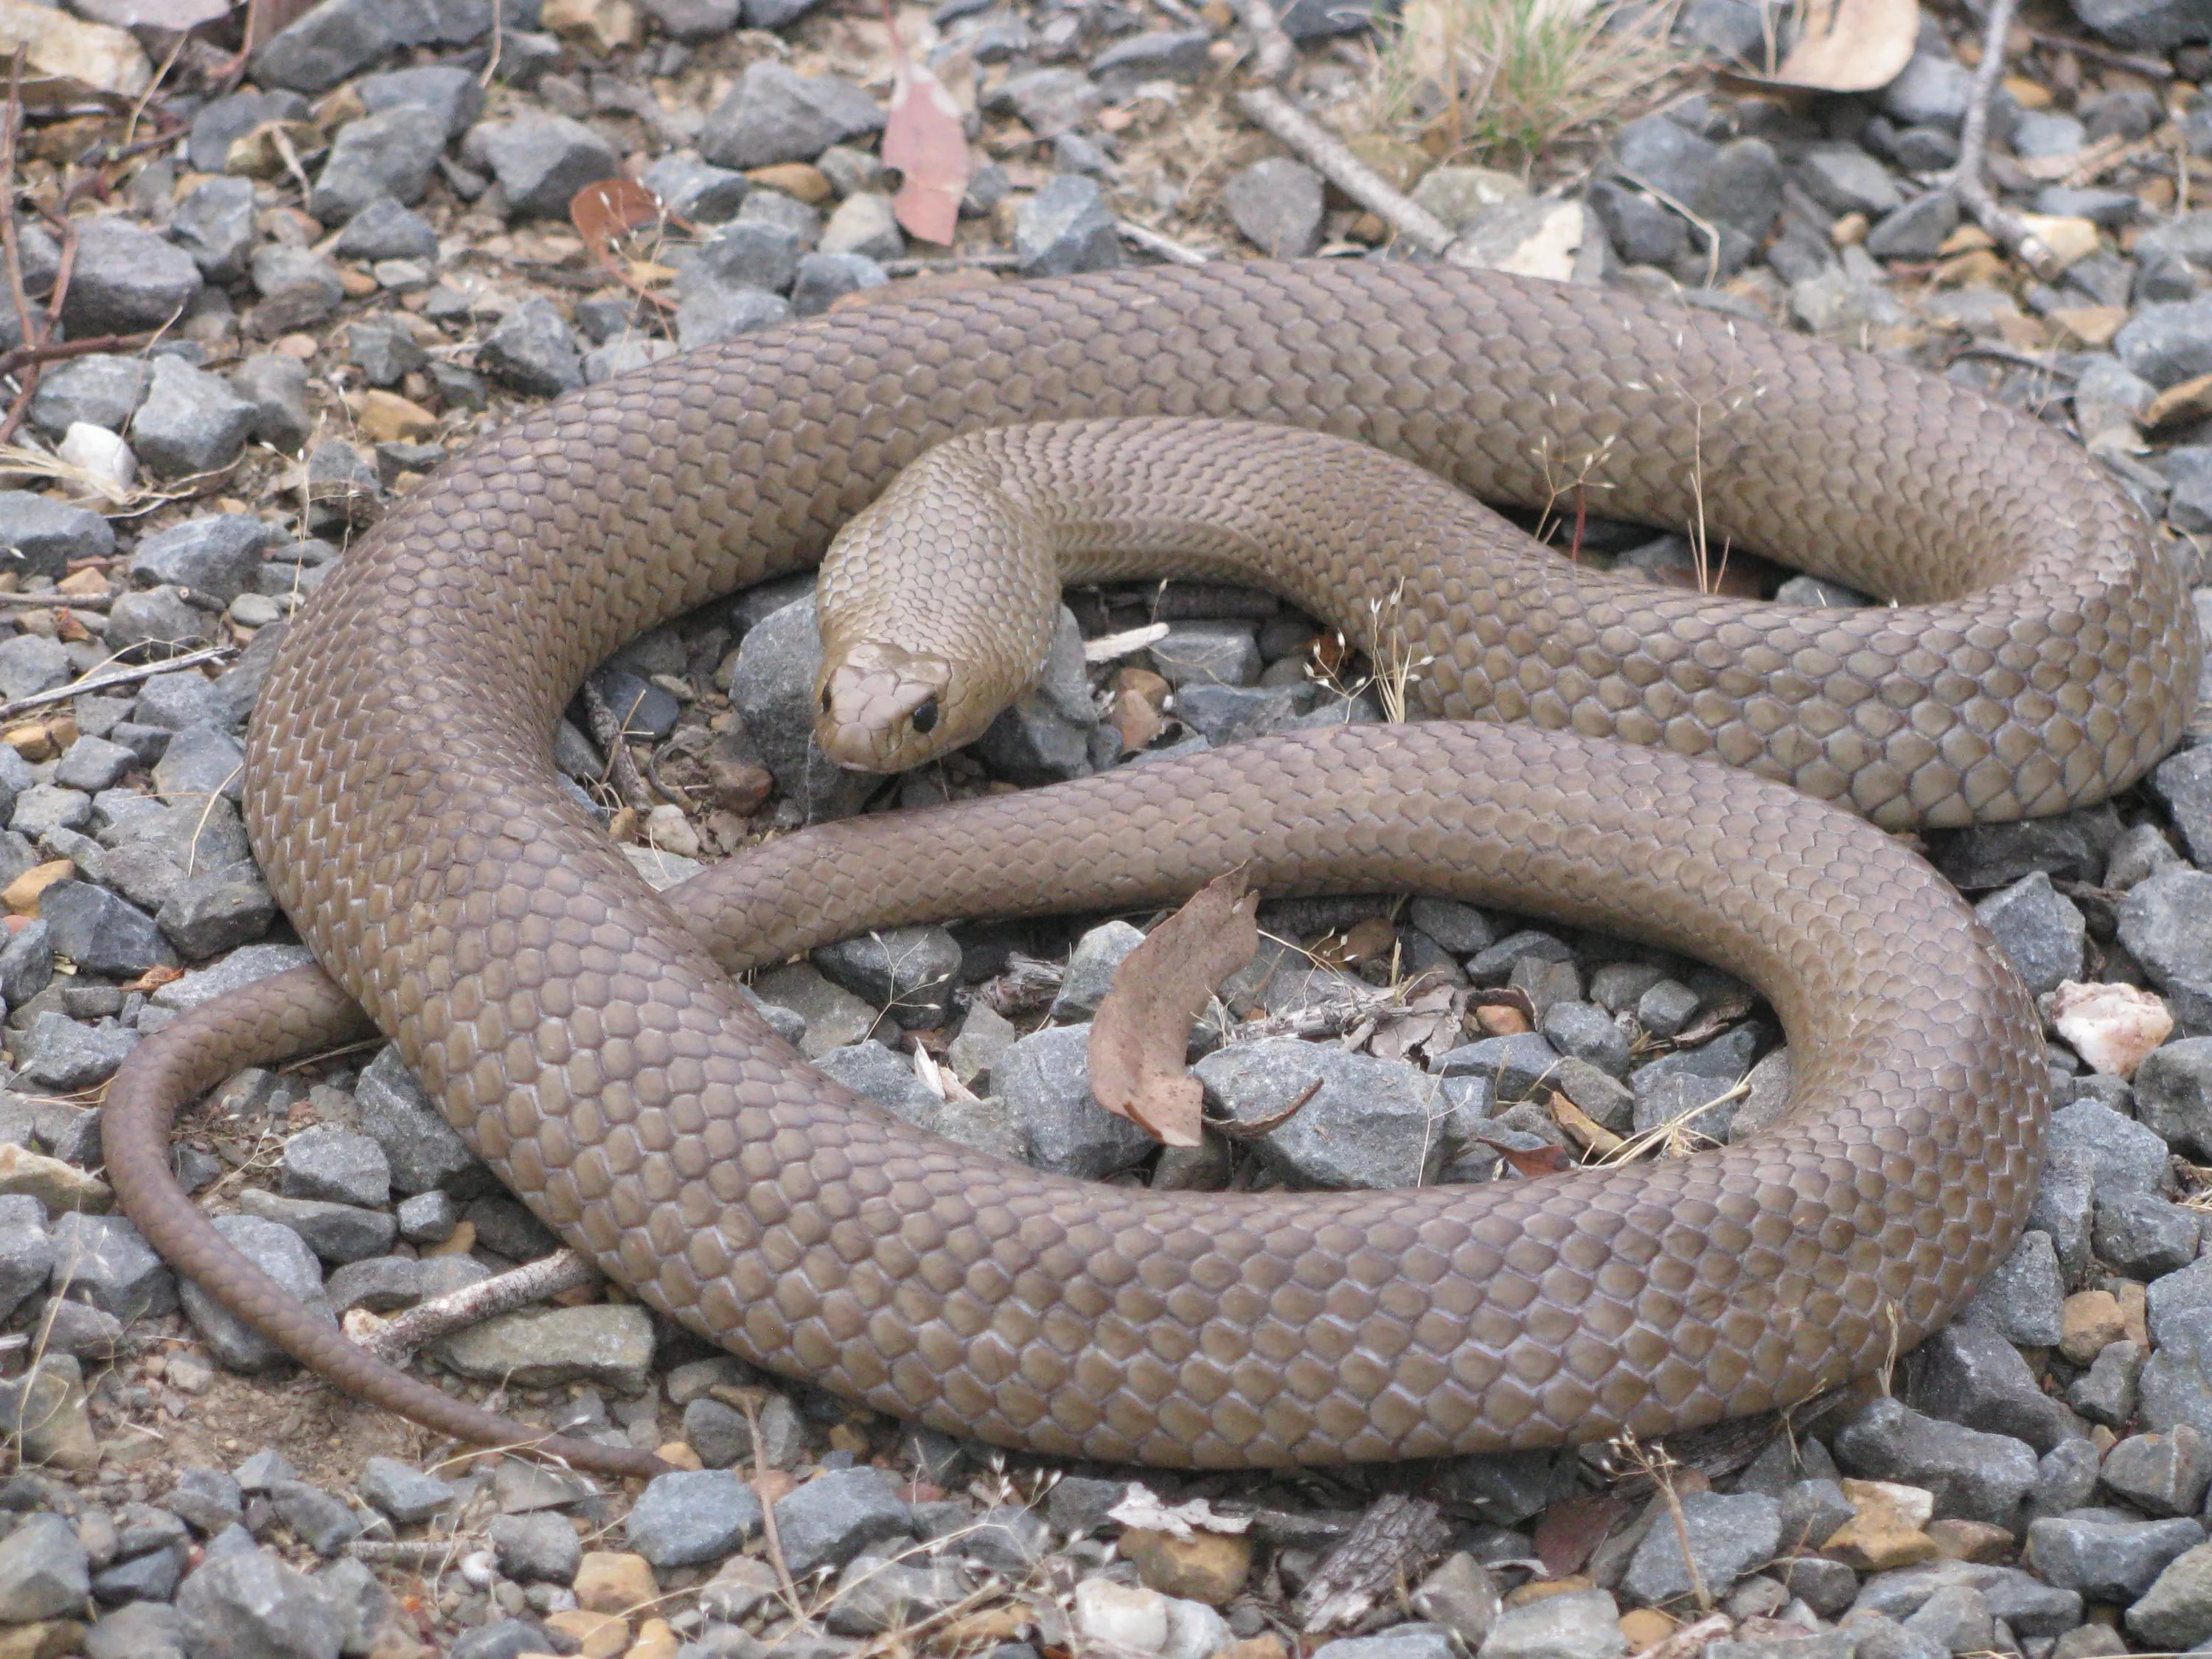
x=2176 y=1611
x=213 y=224
x=92 y=764
x=337 y=1233
x=2162 y=1474
x=1045 y=734
x=222 y=122
x=216 y=553
x=1049 y=101
x=390 y=153
x=874 y=1595
x=1097 y=955
x=335 y=1164
x=199 y=764
x=772 y=691
x=2144 y=1236
x=104 y=1260
x=1516 y=1067
x=44 y=1573
x=1372 y=1123
x=1207 y=653
x=1571 y=1625
x=428 y=1218
x=2105 y=1393
x=609 y=1346
x=2183 y=783
x=909 y=971
x=2156 y=24
x=43 y=809
x=1402 y=1642
x=30 y=663
x=712 y=313
x=277 y=387
x=208 y=1498
x=424 y=1152
x=384 y=350
x=773 y=115
x=2042 y=931
x=191 y=421
x=101 y=933
x=298 y=287
x=1067 y=226
x=2023 y=1297
x=540 y=1547
x=1811 y=1511
x=2173 y=1095
x=127 y=279
x=248 y=1605
x=1276 y=205
x=284 y=1256
x=2175 y=1386
x=403 y=1492
x=864 y=224
x=1968 y=1373
x=217 y=910
x=823 y=279
x=1044 y=1084
x=101 y=388
x=2121 y=1154
x=325 y=1524
x=1585 y=1031
x=386 y=229
x=543 y=160
x=832 y=1518
x=452 y=94
x=1845 y=178
x=1974 y=1476
x=59 y=1053
x=533 y=352
x=1729 y=1535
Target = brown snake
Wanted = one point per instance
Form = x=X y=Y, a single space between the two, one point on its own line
x=403 y=806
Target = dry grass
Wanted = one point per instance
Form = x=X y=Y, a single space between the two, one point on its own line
x=1507 y=79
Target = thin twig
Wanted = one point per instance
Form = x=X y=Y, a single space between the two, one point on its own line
x=1275 y=56
x=1967 y=181
x=120 y=677
x=2151 y=69
x=1293 y=128
x=771 y=1535
x=54 y=351
x=55 y=601
x=394 y=1340
x=612 y=736
x=1152 y=241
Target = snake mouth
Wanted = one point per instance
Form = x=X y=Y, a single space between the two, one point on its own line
x=881 y=707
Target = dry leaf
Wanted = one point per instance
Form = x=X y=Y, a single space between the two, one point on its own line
x=1540 y=1161
x=924 y=139
x=1142 y=1029
x=606 y=211
x=1848 y=45
x=1570 y=1531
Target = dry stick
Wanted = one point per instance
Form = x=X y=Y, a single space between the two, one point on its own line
x=1276 y=56
x=121 y=677
x=1292 y=127
x=1966 y=181
x=771 y=1535
x=611 y=735
x=1692 y=1638
x=55 y=601
x=1152 y=241
x=563 y=1270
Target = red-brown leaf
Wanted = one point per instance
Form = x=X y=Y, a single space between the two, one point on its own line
x=1571 y=1530
x=1143 y=1025
x=924 y=139
x=607 y=211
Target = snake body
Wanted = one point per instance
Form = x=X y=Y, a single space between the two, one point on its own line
x=402 y=804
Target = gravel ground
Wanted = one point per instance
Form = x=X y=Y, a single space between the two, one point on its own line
x=360 y=255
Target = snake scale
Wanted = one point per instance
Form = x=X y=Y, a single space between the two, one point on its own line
x=402 y=802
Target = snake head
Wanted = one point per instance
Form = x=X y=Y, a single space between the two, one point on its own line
x=885 y=708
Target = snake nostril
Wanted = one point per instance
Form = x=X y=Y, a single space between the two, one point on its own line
x=925 y=716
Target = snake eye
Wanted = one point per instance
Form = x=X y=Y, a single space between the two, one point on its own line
x=925 y=716
x=825 y=699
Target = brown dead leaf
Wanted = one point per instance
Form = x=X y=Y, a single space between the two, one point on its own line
x=1848 y=45
x=1539 y=1161
x=1143 y=1026
x=1585 y=1130
x=924 y=139
x=606 y=211
x=1570 y=1531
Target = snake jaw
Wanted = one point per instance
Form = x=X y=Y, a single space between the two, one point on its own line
x=883 y=708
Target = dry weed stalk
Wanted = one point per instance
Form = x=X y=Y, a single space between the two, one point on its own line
x=1511 y=77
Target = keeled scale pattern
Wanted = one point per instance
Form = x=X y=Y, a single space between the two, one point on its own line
x=401 y=800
